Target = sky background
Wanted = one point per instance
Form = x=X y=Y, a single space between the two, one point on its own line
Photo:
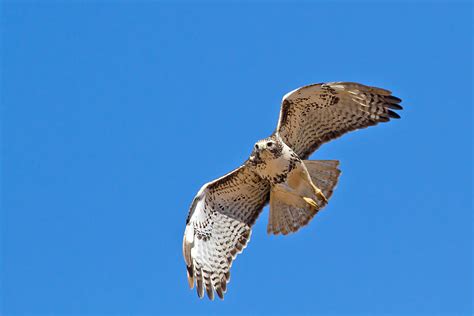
x=114 y=114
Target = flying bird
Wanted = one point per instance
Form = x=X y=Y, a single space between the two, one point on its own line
x=221 y=215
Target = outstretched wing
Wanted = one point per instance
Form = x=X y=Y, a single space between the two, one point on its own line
x=218 y=227
x=315 y=114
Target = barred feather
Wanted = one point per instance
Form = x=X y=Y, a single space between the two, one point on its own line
x=318 y=113
x=219 y=228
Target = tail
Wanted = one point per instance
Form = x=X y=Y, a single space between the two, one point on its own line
x=289 y=212
x=324 y=174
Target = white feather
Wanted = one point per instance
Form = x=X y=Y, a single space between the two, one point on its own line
x=286 y=95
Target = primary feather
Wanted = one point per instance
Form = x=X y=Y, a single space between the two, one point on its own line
x=218 y=227
x=318 y=113
x=219 y=223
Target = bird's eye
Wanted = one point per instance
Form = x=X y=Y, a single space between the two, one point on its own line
x=256 y=146
x=269 y=144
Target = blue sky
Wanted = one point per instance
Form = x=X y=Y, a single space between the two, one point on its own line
x=114 y=114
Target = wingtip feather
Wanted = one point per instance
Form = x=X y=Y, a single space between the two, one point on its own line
x=392 y=114
x=220 y=293
x=190 y=281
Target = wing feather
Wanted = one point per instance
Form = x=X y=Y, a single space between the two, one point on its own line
x=318 y=113
x=219 y=227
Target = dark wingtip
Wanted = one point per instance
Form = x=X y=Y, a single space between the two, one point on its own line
x=395 y=106
x=199 y=288
x=224 y=285
x=200 y=295
x=210 y=293
x=392 y=114
x=393 y=99
x=220 y=293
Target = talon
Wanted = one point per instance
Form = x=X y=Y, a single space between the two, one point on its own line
x=321 y=195
x=310 y=202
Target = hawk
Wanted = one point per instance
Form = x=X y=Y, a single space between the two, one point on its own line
x=277 y=172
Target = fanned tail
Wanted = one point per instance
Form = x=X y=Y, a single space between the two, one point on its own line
x=290 y=212
x=324 y=174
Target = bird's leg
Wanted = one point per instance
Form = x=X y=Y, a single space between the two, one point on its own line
x=319 y=193
x=311 y=202
x=289 y=191
x=300 y=181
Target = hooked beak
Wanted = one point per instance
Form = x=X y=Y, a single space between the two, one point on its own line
x=255 y=157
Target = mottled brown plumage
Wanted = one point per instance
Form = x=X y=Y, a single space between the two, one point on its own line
x=318 y=113
x=219 y=223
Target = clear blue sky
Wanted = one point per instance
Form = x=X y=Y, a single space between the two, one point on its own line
x=114 y=115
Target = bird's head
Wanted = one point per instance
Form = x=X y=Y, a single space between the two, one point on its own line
x=266 y=149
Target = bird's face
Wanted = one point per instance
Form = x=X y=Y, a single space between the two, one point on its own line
x=265 y=149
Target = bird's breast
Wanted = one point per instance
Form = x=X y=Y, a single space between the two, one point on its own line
x=277 y=170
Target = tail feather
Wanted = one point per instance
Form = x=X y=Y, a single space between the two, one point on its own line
x=288 y=213
x=324 y=174
x=285 y=219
